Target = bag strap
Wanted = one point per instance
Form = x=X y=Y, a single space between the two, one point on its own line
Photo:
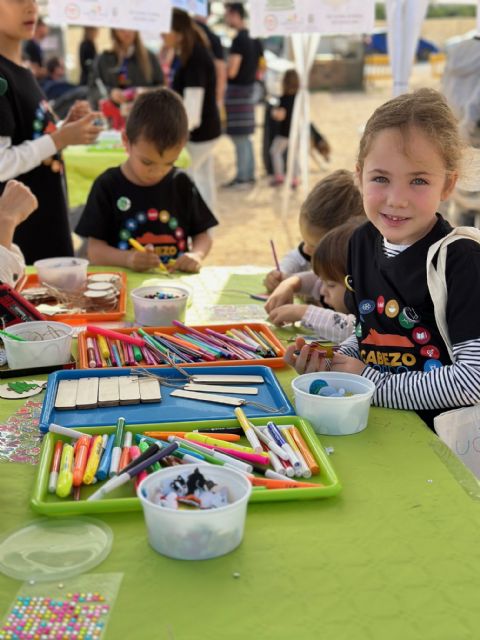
x=436 y=280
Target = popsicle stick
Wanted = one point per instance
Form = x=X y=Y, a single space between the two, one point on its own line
x=149 y=390
x=87 y=393
x=227 y=379
x=108 y=392
x=215 y=388
x=207 y=397
x=66 y=394
x=129 y=389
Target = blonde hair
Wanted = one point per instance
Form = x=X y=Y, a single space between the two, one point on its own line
x=141 y=54
x=332 y=201
x=424 y=109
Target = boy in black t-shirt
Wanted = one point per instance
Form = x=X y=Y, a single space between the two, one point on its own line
x=146 y=199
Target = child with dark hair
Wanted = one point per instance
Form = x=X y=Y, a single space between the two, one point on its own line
x=146 y=199
x=283 y=115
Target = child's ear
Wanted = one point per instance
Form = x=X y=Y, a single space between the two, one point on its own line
x=358 y=177
x=449 y=186
x=125 y=141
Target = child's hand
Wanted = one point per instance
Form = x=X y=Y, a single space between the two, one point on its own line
x=272 y=280
x=189 y=262
x=287 y=313
x=117 y=96
x=16 y=203
x=142 y=260
x=82 y=131
x=79 y=109
x=307 y=360
x=283 y=294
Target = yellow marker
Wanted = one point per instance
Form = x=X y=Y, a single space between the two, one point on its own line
x=248 y=430
x=93 y=460
x=218 y=443
x=264 y=346
x=306 y=471
x=103 y=346
x=65 y=476
x=136 y=245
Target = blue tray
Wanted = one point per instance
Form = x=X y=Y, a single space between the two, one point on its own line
x=170 y=409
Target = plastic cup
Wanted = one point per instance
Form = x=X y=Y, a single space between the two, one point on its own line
x=156 y=312
x=45 y=343
x=196 y=534
x=66 y=274
x=334 y=416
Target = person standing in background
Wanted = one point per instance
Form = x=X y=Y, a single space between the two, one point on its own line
x=195 y=80
x=87 y=53
x=218 y=58
x=32 y=50
x=242 y=64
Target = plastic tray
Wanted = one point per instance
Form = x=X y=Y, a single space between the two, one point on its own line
x=268 y=362
x=170 y=409
x=82 y=318
x=123 y=499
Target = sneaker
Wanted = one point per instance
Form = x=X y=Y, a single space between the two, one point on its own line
x=277 y=181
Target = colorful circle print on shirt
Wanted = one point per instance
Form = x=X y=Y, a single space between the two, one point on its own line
x=44 y=123
x=169 y=243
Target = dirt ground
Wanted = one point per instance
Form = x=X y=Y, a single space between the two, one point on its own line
x=249 y=219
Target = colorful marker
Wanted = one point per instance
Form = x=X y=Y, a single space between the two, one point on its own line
x=117 y=447
x=93 y=460
x=249 y=432
x=55 y=468
x=65 y=476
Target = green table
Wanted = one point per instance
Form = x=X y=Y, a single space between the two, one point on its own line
x=85 y=163
x=394 y=555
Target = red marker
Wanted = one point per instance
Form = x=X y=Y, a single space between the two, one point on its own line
x=115 y=335
x=55 y=468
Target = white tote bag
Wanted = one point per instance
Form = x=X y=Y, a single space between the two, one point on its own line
x=459 y=429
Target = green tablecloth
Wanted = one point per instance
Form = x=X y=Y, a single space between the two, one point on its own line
x=394 y=555
x=85 y=163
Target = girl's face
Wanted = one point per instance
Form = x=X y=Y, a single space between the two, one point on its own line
x=403 y=180
x=311 y=236
x=18 y=18
x=334 y=293
x=125 y=37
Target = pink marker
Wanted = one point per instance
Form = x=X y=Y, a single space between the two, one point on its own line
x=115 y=335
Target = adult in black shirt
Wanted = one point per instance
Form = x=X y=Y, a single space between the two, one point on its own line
x=242 y=65
x=218 y=59
x=87 y=53
x=195 y=81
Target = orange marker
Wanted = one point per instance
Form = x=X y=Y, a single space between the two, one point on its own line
x=163 y=435
x=125 y=455
x=82 y=447
x=271 y=483
x=305 y=451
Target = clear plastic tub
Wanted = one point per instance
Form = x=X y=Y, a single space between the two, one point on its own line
x=156 y=312
x=66 y=274
x=45 y=343
x=334 y=416
x=198 y=534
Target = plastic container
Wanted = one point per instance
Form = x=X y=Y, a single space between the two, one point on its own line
x=156 y=312
x=334 y=416
x=198 y=534
x=45 y=343
x=68 y=274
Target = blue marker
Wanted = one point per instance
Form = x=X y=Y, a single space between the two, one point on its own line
x=104 y=466
x=280 y=440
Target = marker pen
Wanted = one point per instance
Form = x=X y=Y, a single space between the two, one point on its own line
x=264 y=435
x=117 y=447
x=55 y=468
x=104 y=466
x=306 y=473
x=249 y=432
x=65 y=477
x=280 y=440
x=125 y=457
x=80 y=461
x=93 y=460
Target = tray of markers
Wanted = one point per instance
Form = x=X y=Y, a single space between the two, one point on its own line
x=322 y=483
x=102 y=304
x=81 y=397
x=222 y=344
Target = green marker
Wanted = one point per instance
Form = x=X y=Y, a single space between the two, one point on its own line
x=11 y=336
x=143 y=445
x=117 y=448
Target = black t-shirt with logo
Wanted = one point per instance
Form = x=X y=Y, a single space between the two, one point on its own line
x=251 y=51
x=165 y=215
x=26 y=115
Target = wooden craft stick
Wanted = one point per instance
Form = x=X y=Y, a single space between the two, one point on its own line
x=227 y=379
x=149 y=390
x=129 y=389
x=108 y=392
x=207 y=397
x=215 y=388
x=66 y=394
x=87 y=393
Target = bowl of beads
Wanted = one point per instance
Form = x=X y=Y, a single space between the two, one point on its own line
x=157 y=306
x=65 y=274
x=195 y=512
x=41 y=343
x=335 y=403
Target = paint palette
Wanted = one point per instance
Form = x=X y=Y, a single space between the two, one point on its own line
x=270 y=399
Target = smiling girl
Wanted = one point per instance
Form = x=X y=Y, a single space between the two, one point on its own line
x=408 y=163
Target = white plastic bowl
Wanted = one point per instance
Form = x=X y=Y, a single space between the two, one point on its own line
x=198 y=534
x=155 y=312
x=67 y=274
x=46 y=343
x=334 y=416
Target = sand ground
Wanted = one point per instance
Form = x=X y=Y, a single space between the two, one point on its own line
x=249 y=219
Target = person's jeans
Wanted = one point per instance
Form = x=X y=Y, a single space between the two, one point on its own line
x=245 y=158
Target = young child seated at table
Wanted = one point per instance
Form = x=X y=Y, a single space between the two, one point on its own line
x=332 y=201
x=17 y=202
x=408 y=162
x=330 y=265
x=146 y=200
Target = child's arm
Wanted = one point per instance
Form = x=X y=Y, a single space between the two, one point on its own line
x=287 y=313
x=100 y=252
x=291 y=263
x=283 y=294
x=327 y=323
x=191 y=261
